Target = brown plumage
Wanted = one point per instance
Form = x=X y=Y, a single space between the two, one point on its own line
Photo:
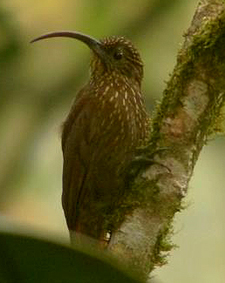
x=106 y=124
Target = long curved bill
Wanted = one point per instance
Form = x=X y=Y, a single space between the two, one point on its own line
x=93 y=43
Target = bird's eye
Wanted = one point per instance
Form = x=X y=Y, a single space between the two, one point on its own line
x=118 y=54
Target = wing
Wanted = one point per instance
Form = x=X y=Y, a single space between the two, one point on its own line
x=76 y=153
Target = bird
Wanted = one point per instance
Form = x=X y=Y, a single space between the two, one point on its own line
x=106 y=124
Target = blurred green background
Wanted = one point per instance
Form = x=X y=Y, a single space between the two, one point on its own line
x=37 y=85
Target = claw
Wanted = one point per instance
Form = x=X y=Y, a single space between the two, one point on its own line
x=146 y=150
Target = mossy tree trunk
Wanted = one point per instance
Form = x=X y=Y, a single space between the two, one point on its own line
x=189 y=112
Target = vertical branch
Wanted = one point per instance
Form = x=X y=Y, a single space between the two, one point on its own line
x=189 y=112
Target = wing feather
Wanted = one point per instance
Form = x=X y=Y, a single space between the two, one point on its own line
x=76 y=155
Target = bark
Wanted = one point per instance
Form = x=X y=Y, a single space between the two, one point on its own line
x=190 y=111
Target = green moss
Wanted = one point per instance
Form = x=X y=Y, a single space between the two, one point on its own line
x=163 y=246
x=205 y=52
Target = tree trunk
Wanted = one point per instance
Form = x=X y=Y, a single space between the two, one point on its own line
x=190 y=111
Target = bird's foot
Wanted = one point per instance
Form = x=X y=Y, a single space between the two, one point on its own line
x=142 y=161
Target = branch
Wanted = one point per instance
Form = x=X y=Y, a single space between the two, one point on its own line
x=188 y=114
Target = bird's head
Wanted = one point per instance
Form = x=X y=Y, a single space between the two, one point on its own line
x=115 y=56
x=120 y=58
